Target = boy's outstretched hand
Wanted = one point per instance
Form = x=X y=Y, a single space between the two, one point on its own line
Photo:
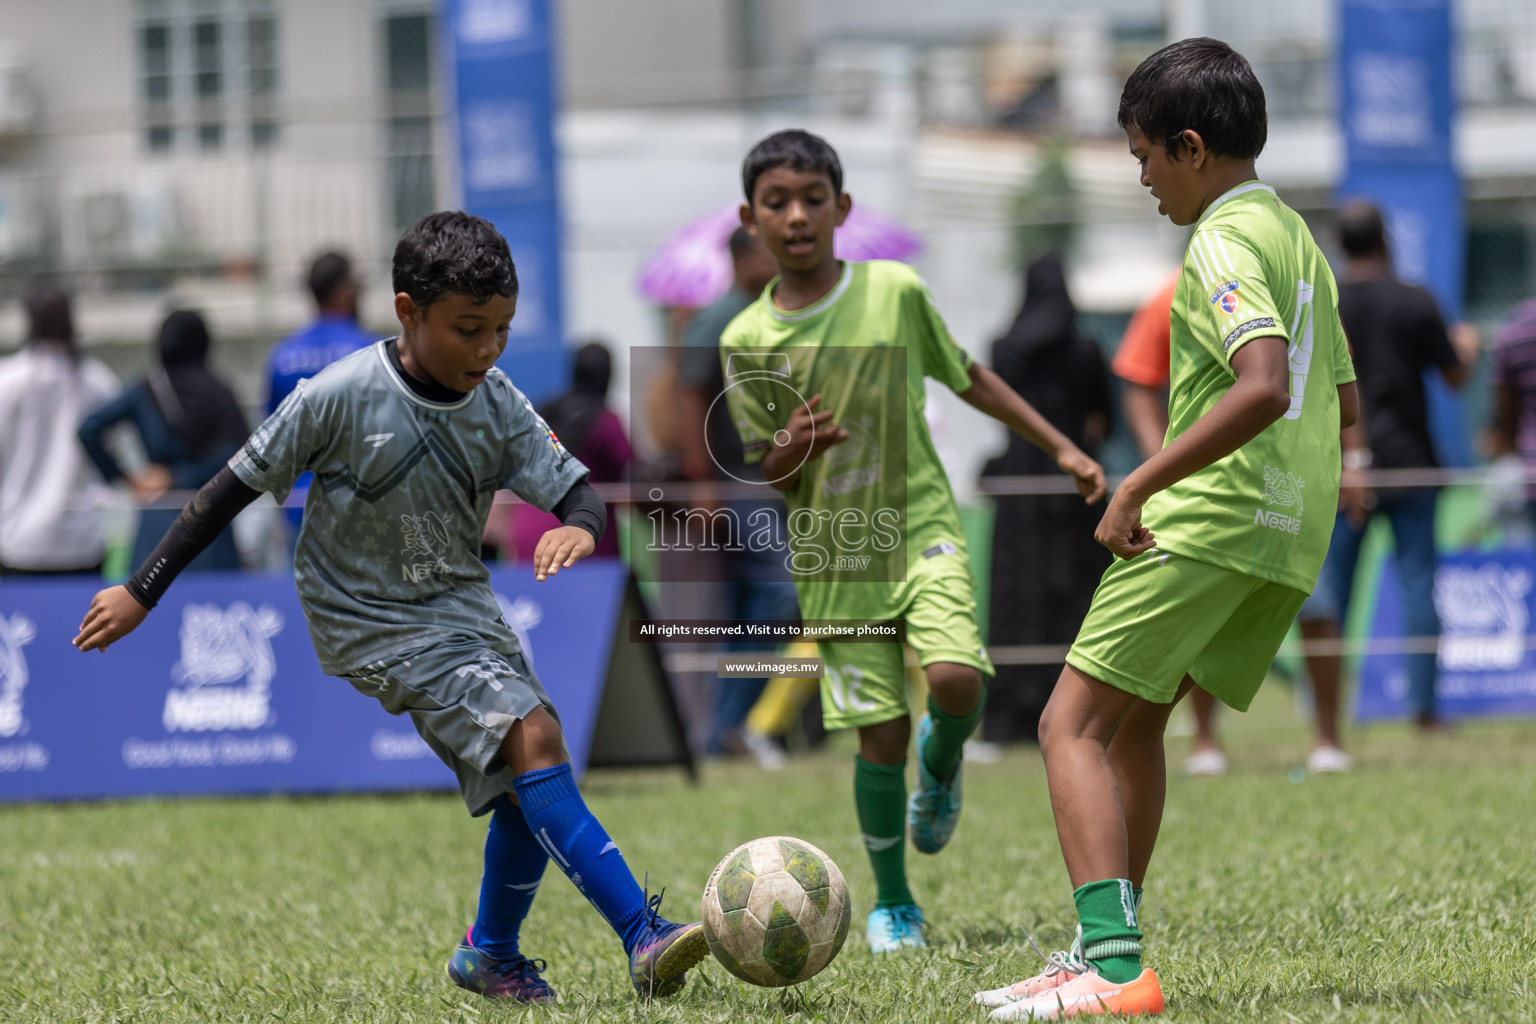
x=1121 y=529
x=806 y=436
x=1088 y=474
x=561 y=548
x=114 y=613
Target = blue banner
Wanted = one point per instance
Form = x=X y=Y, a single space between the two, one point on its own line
x=500 y=53
x=219 y=691
x=1487 y=603
x=1397 y=111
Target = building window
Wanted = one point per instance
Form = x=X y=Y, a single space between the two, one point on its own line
x=411 y=179
x=155 y=82
x=208 y=74
x=261 y=78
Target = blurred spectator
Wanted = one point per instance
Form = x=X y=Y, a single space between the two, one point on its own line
x=1395 y=334
x=1141 y=362
x=189 y=423
x=592 y=432
x=50 y=519
x=1045 y=562
x=757 y=584
x=1514 y=384
x=333 y=334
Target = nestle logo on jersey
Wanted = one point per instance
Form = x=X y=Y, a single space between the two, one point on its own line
x=1277 y=521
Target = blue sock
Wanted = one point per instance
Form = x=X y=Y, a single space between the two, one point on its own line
x=514 y=863
x=579 y=846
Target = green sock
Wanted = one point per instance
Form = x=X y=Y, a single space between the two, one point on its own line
x=946 y=743
x=1111 y=938
x=1136 y=899
x=880 y=794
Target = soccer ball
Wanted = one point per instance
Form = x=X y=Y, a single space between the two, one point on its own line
x=776 y=911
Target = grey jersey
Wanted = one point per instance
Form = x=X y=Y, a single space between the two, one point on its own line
x=388 y=558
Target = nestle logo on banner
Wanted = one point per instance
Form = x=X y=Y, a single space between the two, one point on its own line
x=501 y=148
x=15 y=633
x=521 y=616
x=220 y=647
x=398 y=746
x=1391 y=100
x=494 y=21
x=1483 y=616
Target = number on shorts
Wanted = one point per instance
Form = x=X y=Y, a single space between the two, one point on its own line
x=845 y=686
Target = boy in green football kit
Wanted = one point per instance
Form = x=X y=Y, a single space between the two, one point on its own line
x=1221 y=534
x=875 y=531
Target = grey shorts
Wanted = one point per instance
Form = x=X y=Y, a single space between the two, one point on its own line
x=463 y=694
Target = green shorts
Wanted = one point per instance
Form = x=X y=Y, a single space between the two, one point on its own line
x=867 y=683
x=1161 y=616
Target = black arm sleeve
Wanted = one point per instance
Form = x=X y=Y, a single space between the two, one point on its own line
x=582 y=507
x=211 y=509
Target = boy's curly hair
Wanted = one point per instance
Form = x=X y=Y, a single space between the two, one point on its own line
x=453 y=252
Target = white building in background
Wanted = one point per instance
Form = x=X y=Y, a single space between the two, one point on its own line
x=201 y=151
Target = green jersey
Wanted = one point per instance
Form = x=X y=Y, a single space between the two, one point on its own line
x=870 y=508
x=1267 y=510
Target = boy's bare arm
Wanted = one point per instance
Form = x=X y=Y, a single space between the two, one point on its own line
x=990 y=394
x=1260 y=396
x=1146 y=414
x=1349 y=405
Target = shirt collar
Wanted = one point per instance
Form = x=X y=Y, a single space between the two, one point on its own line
x=1247 y=186
x=821 y=305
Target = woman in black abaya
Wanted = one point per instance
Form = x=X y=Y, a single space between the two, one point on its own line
x=1045 y=562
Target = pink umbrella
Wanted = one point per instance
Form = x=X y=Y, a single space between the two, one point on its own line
x=693 y=268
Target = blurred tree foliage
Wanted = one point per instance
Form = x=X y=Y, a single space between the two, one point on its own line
x=1044 y=211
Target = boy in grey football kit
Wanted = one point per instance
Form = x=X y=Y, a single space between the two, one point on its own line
x=399 y=603
x=397 y=599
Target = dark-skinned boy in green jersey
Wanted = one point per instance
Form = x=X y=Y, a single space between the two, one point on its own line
x=1241 y=499
x=825 y=384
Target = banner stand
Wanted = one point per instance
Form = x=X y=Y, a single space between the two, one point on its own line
x=638 y=723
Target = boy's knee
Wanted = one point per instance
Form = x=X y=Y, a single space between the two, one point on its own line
x=534 y=742
x=955 y=688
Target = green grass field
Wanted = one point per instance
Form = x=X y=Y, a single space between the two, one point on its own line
x=1402 y=892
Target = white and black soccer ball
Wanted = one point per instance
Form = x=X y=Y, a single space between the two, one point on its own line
x=776 y=911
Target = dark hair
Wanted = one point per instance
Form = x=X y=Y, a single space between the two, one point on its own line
x=741 y=243
x=1200 y=84
x=592 y=369
x=452 y=252
x=796 y=149
x=326 y=274
x=183 y=339
x=1361 y=231
x=49 y=315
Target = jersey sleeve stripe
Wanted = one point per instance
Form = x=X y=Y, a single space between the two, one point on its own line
x=1214 y=255
x=1203 y=242
x=1225 y=255
x=1194 y=252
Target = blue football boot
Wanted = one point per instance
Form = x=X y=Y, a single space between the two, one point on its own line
x=517 y=980
x=894 y=929
x=933 y=809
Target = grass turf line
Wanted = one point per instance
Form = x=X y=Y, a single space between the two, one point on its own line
x=1402 y=892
